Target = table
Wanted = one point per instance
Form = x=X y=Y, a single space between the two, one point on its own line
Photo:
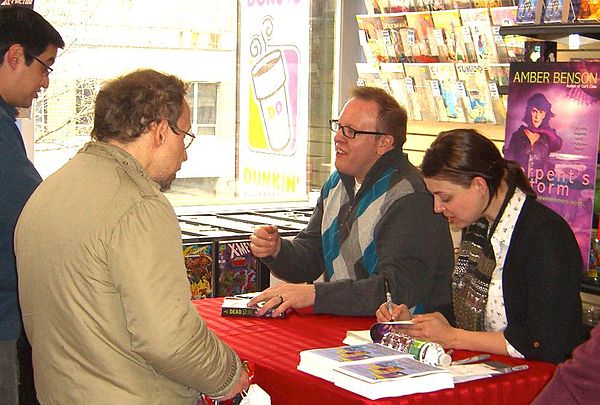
x=273 y=346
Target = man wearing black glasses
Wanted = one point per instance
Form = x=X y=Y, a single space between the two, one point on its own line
x=28 y=46
x=373 y=225
x=102 y=282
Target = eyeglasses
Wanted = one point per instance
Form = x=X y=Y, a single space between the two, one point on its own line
x=349 y=132
x=48 y=68
x=186 y=141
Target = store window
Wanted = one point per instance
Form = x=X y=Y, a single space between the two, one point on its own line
x=202 y=43
x=202 y=98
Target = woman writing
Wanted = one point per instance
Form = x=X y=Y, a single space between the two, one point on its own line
x=515 y=286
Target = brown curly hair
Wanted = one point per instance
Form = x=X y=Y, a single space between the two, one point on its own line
x=127 y=105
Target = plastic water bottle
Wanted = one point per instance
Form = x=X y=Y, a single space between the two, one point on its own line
x=422 y=350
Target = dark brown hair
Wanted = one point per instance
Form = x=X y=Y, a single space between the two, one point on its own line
x=127 y=105
x=392 y=116
x=460 y=155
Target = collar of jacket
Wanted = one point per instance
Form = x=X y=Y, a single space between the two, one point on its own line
x=380 y=166
x=127 y=162
x=8 y=109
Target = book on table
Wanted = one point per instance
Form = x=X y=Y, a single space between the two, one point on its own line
x=237 y=305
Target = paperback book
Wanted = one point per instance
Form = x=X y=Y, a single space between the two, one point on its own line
x=476 y=93
x=237 y=305
x=552 y=125
x=530 y=11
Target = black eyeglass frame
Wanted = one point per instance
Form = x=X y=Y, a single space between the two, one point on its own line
x=44 y=64
x=176 y=129
x=334 y=125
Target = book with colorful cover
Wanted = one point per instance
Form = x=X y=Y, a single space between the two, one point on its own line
x=479 y=108
x=368 y=75
x=445 y=73
x=497 y=103
x=530 y=11
x=392 y=378
x=392 y=25
x=413 y=98
x=475 y=17
x=556 y=11
x=393 y=74
x=557 y=104
x=464 y=41
x=498 y=73
x=462 y=4
x=485 y=43
x=588 y=10
x=419 y=72
x=237 y=305
x=237 y=268
x=399 y=6
x=421 y=23
x=199 y=264
x=448 y=21
x=504 y=16
x=371 y=38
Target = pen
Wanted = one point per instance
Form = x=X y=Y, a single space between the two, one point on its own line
x=520 y=367
x=470 y=360
x=388 y=298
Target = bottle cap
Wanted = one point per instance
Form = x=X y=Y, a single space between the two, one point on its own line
x=436 y=356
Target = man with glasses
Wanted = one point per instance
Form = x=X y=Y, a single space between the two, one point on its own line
x=373 y=225
x=102 y=281
x=28 y=46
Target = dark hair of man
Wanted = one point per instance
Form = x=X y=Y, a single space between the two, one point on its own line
x=460 y=155
x=392 y=116
x=541 y=103
x=127 y=105
x=23 y=26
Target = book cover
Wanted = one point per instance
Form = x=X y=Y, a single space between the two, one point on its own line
x=448 y=21
x=421 y=23
x=464 y=40
x=237 y=305
x=399 y=6
x=475 y=17
x=419 y=72
x=498 y=73
x=321 y=362
x=552 y=125
x=588 y=10
x=368 y=75
x=393 y=74
x=392 y=378
x=479 y=108
x=199 y=264
x=392 y=39
x=462 y=4
x=413 y=99
x=529 y=11
x=445 y=73
x=371 y=38
x=504 y=16
x=485 y=44
x=237 y=268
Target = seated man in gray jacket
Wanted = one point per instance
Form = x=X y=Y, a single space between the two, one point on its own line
x=373 y=225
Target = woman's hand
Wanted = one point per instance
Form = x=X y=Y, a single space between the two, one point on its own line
x=432 y=327
x=399 y=313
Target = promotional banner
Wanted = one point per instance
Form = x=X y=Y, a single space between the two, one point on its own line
x=274 y=56
x=552 y=126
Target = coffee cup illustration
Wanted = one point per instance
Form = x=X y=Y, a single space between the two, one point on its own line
x=269 y=82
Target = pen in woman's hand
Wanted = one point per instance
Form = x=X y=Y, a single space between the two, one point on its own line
x=388 y=299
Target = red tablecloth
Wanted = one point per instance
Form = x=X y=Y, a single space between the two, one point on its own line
x=273 y=347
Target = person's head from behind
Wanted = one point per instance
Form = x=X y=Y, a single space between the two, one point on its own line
x=538 y=111
x=370 y=124
x=146 y=108
x=465 y=171
x=28 y=47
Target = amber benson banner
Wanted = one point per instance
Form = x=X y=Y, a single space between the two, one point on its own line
x=274 y=56
x=26 y=3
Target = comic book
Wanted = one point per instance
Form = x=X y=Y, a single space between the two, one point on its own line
x=199 y=264
x=368 y=75
x=464 y=41
x=419 y=72
x=529 y=11
x=497 y=103
x=445 y=74
x=557 y=104
x=475 y=17
x=448 y=21
x=393 y=74
x=413 y=98
x=392 y=25
x=421 y=23
x=462 y=4
x=371 y=38
x=588 y=10
x=503 y=16
x=485 y=43
x=399 y=6
x=498 y=73
x=480 y=108
x=237 y=268
x=501 y=49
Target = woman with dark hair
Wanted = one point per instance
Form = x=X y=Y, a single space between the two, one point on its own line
x=515 y=286
x=532 y=143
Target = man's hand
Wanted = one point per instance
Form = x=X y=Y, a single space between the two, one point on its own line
x=284 y=296
x=265 y=241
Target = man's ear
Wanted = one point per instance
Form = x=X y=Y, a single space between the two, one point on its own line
x=386 y=143
x=158 y=131
x=13 y=55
